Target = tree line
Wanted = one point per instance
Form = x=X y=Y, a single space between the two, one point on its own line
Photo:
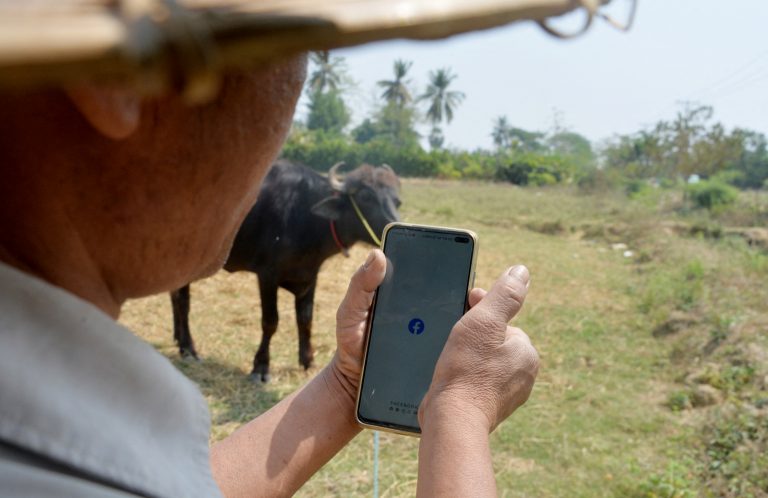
x=690 y=145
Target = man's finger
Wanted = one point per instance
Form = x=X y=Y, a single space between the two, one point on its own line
x=506 y=296
x=475 y=296
x=367 y=278
x=516 y=333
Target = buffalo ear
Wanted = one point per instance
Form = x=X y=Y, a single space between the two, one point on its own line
x=330 y=208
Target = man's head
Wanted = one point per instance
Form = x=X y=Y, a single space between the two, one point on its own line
x=102 y=191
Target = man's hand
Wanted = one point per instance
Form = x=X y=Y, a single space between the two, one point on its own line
x=487 y=368
x=351 y=319
x=274 y=454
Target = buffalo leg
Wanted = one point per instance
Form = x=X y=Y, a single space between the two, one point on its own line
x=181 y=333
x=269 y=318
x=304 y=304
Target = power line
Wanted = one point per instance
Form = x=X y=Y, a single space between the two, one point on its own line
x=744 y=76
x=735 y=77
x=742 y=84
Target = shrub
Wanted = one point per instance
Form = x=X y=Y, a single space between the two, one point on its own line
x=409 y=160
x=737 y=453
x=635 y=187
x=599 y=180
x=668 y=183
x=677 y=290
x=677 y=481
x=533 y=169
x=542 y=178
x=679 y=400
x=319 y=149
x=711 y=194
x=478 y=164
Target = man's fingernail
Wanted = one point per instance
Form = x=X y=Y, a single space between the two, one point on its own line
x=520 y=272
x=368 y=261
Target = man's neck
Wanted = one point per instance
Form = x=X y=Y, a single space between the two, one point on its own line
x=59 y=265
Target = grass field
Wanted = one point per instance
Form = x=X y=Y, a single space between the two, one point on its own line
x=629 y=342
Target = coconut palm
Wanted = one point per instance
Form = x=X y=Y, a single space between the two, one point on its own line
x=500 y=132
x=329 y=72
x=436 y=138
x=442 y=102
x=396 y=90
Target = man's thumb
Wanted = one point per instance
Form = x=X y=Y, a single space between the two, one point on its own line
x=366 y=279
x=507 y=295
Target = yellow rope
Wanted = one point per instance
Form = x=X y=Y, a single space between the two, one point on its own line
x=364 y=221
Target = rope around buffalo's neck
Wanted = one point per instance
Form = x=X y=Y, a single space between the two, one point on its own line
x=365 y=222
x=344 y=249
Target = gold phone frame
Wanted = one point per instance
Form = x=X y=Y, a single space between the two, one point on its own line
x=470 y=283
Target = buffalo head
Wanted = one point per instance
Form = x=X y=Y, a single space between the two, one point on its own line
x=375 y=190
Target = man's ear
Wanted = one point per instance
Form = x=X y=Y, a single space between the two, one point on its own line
x=330 y=208
x=114 y=112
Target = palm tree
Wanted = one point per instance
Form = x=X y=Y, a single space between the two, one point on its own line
x=436 y=138
x=329 y=72
x=442 y=102
x=500 y=132
x=396 y=91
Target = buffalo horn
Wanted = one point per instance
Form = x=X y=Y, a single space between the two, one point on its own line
x=337 y=183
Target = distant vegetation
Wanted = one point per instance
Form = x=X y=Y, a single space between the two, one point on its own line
x=664 y=155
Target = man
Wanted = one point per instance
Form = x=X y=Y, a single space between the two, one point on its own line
x=106 y=196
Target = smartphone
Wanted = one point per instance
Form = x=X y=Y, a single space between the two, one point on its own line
x=430 y=271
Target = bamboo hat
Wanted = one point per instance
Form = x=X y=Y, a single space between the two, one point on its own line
x=188 y=44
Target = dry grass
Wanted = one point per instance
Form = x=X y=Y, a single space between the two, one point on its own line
x=596 y=424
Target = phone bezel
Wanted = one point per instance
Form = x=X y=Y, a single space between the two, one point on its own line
x=380 y=425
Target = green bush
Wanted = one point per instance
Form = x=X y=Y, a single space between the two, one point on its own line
x=676 y=290
x=635 y=187
x=533 y=169
x=729 y=176
x=694 y=270
x=677 y=481
x=542 y=178
x=477 y=165
x=407 y=161
x=599 y=180
x=737 y=453
x=711 y=194
x=679 y=400
x=319 y=149
x=668 y=183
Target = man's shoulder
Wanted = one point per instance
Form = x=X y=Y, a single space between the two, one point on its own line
x=26 y=474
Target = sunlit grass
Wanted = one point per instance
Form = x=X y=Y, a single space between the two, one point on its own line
x=597 y=423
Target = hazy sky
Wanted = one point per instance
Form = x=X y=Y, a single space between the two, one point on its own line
x=605 y=82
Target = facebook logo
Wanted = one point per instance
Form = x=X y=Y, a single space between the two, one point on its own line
x=416 y=326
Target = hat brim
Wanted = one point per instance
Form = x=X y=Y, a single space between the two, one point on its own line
x=155 y=45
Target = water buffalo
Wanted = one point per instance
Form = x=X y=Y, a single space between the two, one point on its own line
x=300 y=219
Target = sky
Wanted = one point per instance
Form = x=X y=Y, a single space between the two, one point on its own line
x=602 y=83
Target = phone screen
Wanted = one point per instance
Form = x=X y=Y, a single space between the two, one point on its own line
x=422 y=297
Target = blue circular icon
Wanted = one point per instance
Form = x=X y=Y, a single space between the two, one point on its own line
x=416 y=326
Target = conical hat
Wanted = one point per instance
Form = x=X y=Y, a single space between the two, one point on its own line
x=156 y=44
